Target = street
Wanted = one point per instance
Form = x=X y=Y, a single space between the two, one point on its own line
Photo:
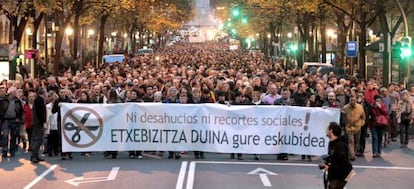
x=395 y=168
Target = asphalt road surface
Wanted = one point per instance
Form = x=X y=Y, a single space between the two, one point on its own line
x=394 y=170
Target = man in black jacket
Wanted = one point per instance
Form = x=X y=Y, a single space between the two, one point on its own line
x=63 y=98
x=338 y=165
x=38 y=120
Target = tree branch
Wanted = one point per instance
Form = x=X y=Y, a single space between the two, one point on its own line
x=353 y=17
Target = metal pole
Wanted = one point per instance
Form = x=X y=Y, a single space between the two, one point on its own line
x=404 y=17
x=389 y=57
x=406 y=35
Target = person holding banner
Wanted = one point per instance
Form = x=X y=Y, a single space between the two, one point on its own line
x=84 y=99
x=172 y=98
x=300 y=98
x=284 y=101
x=196 y=99
x=133 y=96
x=112 y=98
x=63 y=98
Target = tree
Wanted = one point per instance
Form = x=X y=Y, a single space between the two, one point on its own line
x=18 y=13
x=363 y=13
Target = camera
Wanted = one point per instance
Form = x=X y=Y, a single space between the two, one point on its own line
x=321 y=166
x=325 y=161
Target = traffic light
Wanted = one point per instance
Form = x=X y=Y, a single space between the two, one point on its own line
x=244 y=19
x=293 y=47
x=405 y=47
x=235 y=11
x=229 y=24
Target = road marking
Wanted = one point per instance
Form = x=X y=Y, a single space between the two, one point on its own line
x=191 y=174
x=80 y=180
x=302 y=165
x=181 y=175
x=263 y=175
x=40 y=177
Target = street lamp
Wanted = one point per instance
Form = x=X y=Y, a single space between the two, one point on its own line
x=91 y=32
x=331 y=38
x=69 y=33
x=113 y=41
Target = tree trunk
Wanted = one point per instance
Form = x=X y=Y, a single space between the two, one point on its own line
x=322 y=19
x=103 y=20
x=323 y=41
x=36 y=25
x=74 y=51
x=362 y=42
x=16 y=29
x=58 y=53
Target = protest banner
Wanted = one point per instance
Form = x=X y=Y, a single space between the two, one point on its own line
x=196 y=127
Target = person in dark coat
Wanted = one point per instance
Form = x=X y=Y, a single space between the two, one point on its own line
x=63 y=98
x=38 y=120
x=337 y=164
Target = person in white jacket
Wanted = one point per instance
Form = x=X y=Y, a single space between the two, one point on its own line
x=52 y=127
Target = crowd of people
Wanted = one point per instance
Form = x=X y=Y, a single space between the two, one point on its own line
x=203 y=73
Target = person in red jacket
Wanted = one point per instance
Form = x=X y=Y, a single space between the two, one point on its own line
x=379 y=109
x=370 y=92
x=27 y=109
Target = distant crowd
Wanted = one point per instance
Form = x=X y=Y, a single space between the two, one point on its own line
x=208 y=73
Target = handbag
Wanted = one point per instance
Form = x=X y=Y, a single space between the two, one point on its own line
x=382 y=120
x=405 y=117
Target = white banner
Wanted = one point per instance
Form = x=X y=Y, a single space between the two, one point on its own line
x=196 y=127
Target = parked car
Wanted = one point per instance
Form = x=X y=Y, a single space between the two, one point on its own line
x=310 y=67
x=113 y=58
x=145 y=51
x=339 y=72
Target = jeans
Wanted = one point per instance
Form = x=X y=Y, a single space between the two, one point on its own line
x=404 y=132
x=377 y=135
x=12 y=127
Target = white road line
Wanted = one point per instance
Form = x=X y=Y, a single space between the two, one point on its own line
x=301 y=165
x=31 y=184
x=265 y=180
x=191 y=174
x=181 y=175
